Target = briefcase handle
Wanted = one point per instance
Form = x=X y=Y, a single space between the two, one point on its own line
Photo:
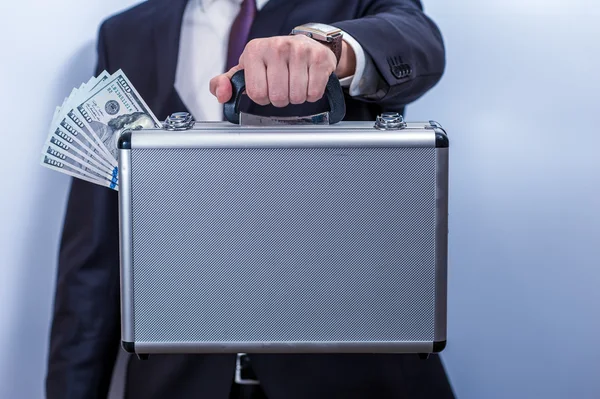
x=333 y=91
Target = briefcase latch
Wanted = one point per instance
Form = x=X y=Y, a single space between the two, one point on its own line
x=390 y=121
x=179 y=121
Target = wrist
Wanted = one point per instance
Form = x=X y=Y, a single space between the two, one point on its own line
x=347 y=65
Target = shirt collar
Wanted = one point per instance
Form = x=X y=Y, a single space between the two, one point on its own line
x=205 y=3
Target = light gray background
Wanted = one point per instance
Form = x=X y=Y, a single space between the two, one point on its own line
x=519 y=100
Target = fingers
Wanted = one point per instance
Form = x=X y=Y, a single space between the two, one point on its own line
x=280 y=71
x=255 y=72
x=278 y=75
x=220 y=86
x=320 y=68
x=317 y=83
x=298 y=74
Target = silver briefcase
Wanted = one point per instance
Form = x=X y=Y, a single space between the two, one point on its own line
x=284 y=235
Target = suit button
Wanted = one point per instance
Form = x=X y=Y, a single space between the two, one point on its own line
x=400 y=70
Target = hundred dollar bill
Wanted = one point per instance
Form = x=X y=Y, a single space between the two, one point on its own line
x=68 y=148
x=95 y=81
x=55 y=164
x=56 y=113
x=62 y=121
x=75 y=164
x=113 y=107
x=77 y=135
x=75 y=121
x=58 y=110
x=52 y=157
x=70 y=101
x=71 y=124
x=79 y=165
x=73 y=148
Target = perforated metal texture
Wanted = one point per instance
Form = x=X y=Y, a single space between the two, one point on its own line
x=280 y=245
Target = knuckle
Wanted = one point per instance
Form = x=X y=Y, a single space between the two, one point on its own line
x=254 y=49
x=281 y=46
x=280 y=104
x=297 y=98
x=298 y=93
x=320 y=55
x=262 y=99
x=324 y=59
x=314 y=94
x=257 y=95
x=278 y=97
x=249 y=57
x=300 y=51
x=253 y=44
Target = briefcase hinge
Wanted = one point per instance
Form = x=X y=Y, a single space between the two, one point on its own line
x=179 y=121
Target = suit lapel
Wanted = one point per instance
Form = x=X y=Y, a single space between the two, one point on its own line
x=166 y=33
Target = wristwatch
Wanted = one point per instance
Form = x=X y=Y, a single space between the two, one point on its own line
x=328 y=35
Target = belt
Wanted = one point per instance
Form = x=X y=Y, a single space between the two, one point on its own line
x=246 y=385
x=244 y=374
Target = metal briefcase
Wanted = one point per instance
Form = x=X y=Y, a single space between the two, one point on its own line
x=284 y=236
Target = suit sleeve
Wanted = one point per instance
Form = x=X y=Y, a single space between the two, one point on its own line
x=84 y=334
x=405 y=46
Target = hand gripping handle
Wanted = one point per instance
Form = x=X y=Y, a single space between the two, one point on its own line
x=333 y=91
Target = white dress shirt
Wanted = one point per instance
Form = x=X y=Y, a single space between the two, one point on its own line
x=203 y=51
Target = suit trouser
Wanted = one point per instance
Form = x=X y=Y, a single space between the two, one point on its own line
x=290 y=377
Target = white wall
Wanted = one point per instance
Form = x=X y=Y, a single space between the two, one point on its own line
x=519 y=101
x=48 y=47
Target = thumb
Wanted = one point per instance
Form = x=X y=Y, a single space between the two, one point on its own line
x=220 y=86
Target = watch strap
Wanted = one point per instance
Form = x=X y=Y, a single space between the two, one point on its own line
x=336 y=46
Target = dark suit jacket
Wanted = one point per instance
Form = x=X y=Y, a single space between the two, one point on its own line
x=408 y=51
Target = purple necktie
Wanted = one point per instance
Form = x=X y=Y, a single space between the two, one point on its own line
x=239 y=32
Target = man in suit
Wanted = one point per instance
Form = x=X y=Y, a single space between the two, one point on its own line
x=180 y=54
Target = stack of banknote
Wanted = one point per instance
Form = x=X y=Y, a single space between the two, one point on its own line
x=85 y=129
